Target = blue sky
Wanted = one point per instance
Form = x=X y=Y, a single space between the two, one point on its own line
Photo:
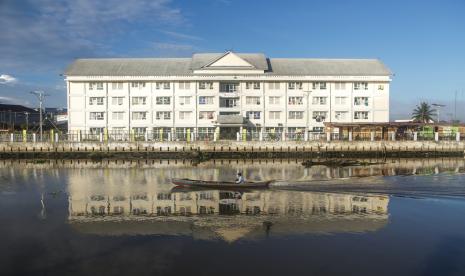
x=422 y=42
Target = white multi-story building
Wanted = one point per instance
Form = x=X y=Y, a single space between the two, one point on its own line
x=225 y=94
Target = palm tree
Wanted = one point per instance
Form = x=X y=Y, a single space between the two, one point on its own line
x=423 y=113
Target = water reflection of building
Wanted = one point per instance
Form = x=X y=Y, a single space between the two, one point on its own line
x=274 y=203
x=285 y=169
x=129 y=202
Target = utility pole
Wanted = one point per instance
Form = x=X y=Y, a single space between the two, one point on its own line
x=455 y=107
x=40 y=96
x=438 y=106
x=27 y=120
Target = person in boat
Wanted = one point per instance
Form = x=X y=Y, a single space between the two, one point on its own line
x=240 y=179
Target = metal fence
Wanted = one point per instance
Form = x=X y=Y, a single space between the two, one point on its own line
x=208 y=134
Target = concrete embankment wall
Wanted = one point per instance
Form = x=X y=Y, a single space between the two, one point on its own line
x=231 y=149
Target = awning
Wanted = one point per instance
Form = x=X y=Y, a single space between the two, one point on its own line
x=230 y=120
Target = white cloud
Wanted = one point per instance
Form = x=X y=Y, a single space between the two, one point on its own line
x=7 y=79
x=181 y=35
x=48 y=34
x=167 y=49
x=173 y=46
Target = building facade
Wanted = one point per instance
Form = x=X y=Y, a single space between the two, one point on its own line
x=223 y=95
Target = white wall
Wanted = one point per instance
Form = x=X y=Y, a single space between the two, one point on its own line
x=79 y=108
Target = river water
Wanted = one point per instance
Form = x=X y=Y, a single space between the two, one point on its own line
x=402 y=217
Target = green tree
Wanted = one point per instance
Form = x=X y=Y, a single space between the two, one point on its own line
x=423 y=113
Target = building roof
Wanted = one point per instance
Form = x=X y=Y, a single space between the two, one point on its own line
x=186 y=66
x=329 y=67
x=16 y=108
x=259 y=61
x=129 y=67
x=229 y=229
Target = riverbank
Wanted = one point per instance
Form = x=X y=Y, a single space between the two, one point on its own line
x=231 y=149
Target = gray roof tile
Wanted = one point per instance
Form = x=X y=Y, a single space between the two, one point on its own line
x=185 y=66
x=328 y=67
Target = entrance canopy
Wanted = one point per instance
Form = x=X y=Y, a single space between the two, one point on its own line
x=230 y=120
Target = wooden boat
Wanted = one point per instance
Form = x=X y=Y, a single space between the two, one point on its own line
x=184 y=182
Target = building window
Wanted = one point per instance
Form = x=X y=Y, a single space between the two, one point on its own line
x=380 y=86
x=361 y=115
x=275 y=115
x=117 y=85
x=340 y=100
x=319 y=85
x=254 y=85
x=163 y=196
x=294 y=85
x=184 y=85
x=206 y=100
x=296 y=115
x=252 y=100
x=139 y=116
x=229 y=87
x=205 y=85
x=139 y=100
x=340 y=86
x=274 y=100
x=96 y=101
x=117 y=100
x=139 y=131
x=118 y=130
x=319 y=100
x=361 y=86
x=163 y=100
x=163 y=211
x=273 y=85
x=229 y=103
x=184 y=100
x=117 y=116
x=206 y=115
x=296 y=100
x=318 y=129
x=319 y=116
x=96 y=116
x=165 y=85
x=185 y=115
x=139 y=85
x=96 y=130
x=163 y=115
x=361 y=101
x=253 y=115
x=96 y=86
x=340 y=115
